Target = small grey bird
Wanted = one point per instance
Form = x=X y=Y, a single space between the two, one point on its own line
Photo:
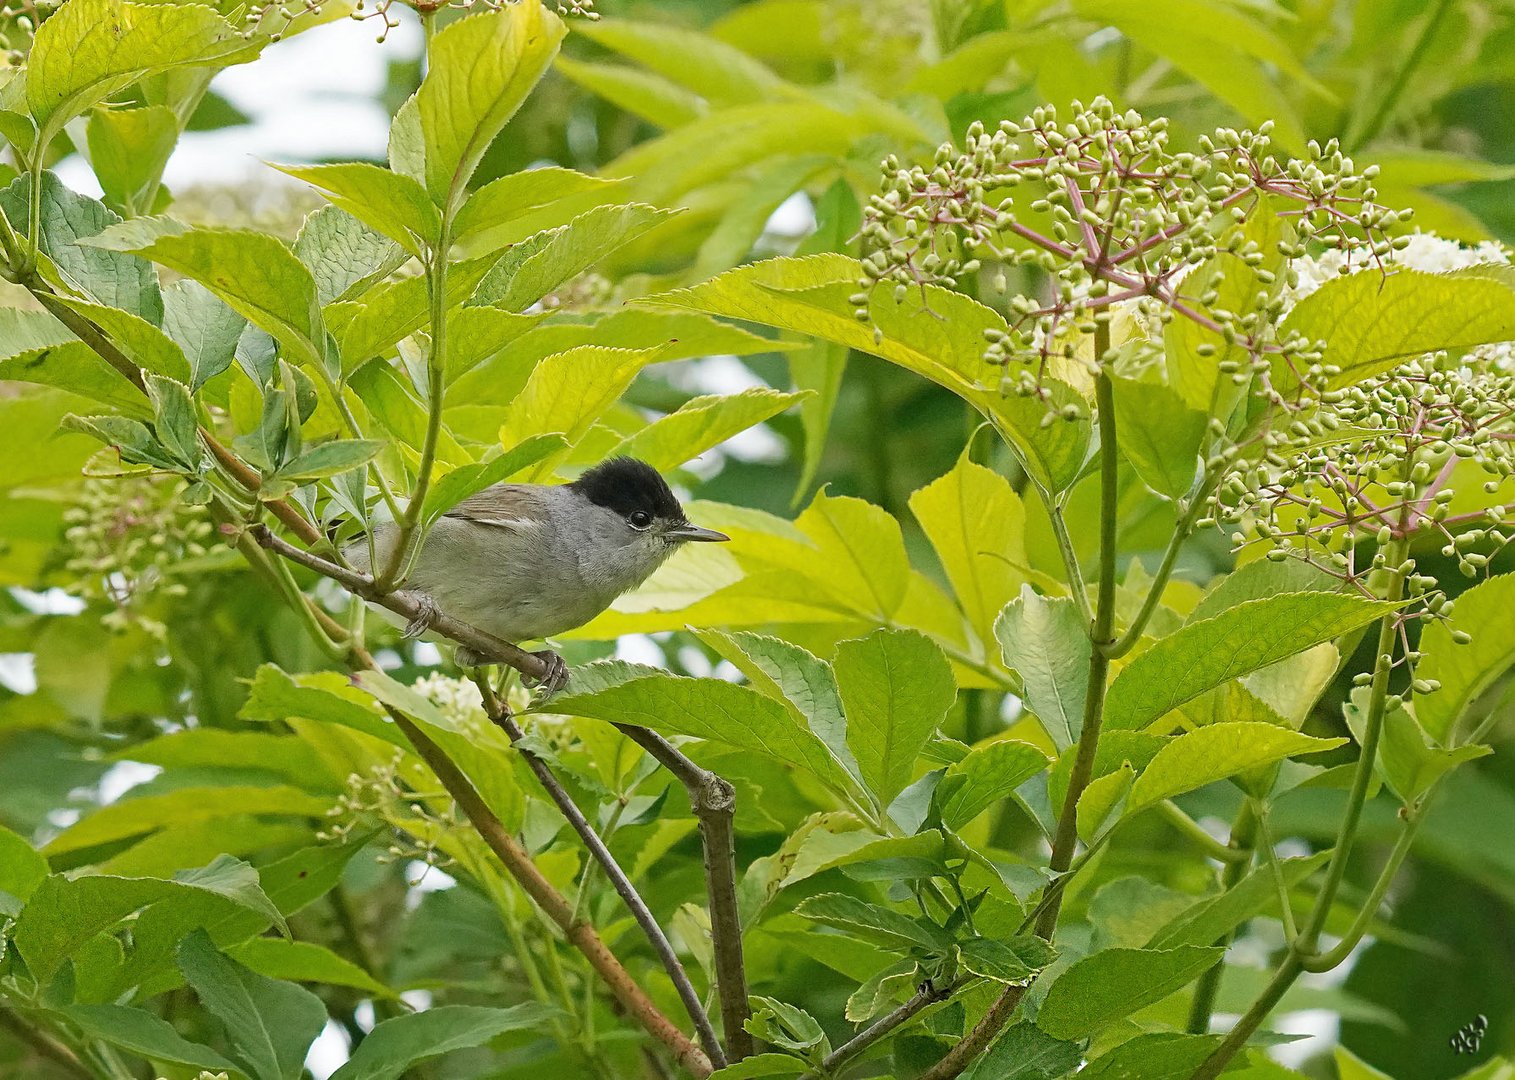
x=526 y=561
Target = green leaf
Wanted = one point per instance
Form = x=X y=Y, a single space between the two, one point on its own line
x=143 y=343
x=126 y=818
x=467 y=480
x=880 y=990
x=568 y=392
x=326 y=697
x=97 y=47
x=787 y=1026
x=132 y=440
x=977 y=525
x=22 y=867
x=1260 y=579
x=719 y=73
x=1207 y=921
x=331 y=458
x=1371 y=322
x=1212 y=753
x=983 y=777
x=1162 y=1055
x=708 y=709
x=1013 y=961
x=479 y=334
x=175 y=420
x=128 y=149
x=238 y=882
x=344 y=255
x=143 y=1033
x=397 y=1044
x=389 y=202
x=1487 y=612
x=883 y=926
x=1114 y=983
x=111 y=279
x=945 y=344
x=762 y=1065
x=304 y=961
x=1235 y=642
x=1410 y=762
x=256 y=276
x=701 y=424
x=271 y=1024
x=1043 y=641
x=480 y=70
x=536 y=266
x=659 y=101
x=75 y=367
x=1160 y=435
x=203 y=327
x=64 y=913
x=1025 y=1052
x=799 y=678
x=393 y=310
x=513 y=198
x=896 y=687
x=1105 y=796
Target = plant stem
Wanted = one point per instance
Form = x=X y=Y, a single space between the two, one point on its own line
x=552 y=903
x=1251 y=1020
x=43 y=1044
x=713 y=800
x=500 y=715
x=1164 y=572
x=1229 y=854
x=928 y=994
x=1070 y=557
x=1389 y=100
x=1101 y=635
x=1243 y=842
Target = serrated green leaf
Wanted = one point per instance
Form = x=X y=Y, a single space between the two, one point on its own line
x=133 y=817
x=1236 y=642
x=569 y=391
x=466 y=480
x=884 y=926
x=480 y=70
x=1160 y=435
x=1162 y=1055
x=143 y=343
x=719 y=73
x=1025 y=1052
x=1044 y=641
x=344 y=255
x=144 y=1033
x=75 y=367
x=396 y=1045
x=393 y=310
x=174 y=419
x=255 y=275
x=22 y=867
x=1487 y=612
x=478 y=334
x=896 y=687
x=304 y=961
x=1109 y=985
x=1212 y=753
x=1207 y=921
x=1105 y=796
x=945 y=344
x=110 y=278
x=128 y=149
x=331 y=458
x=1012 y=961
x=881 y=990
x=512 y=198
x=708 y=709
x=271 y=1024
x=1409 y=761
x=1371 y=322
x=536 y=266
x=97 y=47
x=659 y=101
x=203 y=327
x=388 y=202
x=130 y=438
x=983 y=777
x=701 y=424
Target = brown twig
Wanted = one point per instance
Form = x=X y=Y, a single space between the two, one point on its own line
x=500 y=714
x=553 y=903
x=713 y=800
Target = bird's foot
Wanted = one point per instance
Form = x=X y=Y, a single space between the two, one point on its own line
x=426 y=613
x=556 y=676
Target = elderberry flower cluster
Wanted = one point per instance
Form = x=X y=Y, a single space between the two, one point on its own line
x=1112 y=217
x=125 y=540
x=381 y=796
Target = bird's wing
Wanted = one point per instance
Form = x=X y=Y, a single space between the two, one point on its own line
x=508 y=506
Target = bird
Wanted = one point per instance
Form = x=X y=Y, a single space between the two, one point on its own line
x=526 y=562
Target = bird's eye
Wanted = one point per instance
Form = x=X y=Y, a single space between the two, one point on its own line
x=639 y=519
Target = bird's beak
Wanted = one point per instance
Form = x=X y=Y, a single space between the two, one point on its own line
x=687 y=531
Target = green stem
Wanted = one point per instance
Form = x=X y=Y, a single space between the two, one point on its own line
x=403 y=555
x=1285 y=907
x=1251 y=1020
x=33 y=212
x=1230 y=854
x=1389 y=100
x=1369 y=911
x=1070 y=557
x=1243 y=842
x=1181 y=533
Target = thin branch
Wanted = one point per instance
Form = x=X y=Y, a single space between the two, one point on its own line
x=714 y=802
x=44 y=1044
x=1243 y=843
x=928 y=994
x=499 y=713
x=553 y=903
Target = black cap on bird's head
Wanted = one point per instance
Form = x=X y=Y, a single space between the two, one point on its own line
x=637 y=492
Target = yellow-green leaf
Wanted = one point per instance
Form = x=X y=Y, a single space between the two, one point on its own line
x=1212 y=753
